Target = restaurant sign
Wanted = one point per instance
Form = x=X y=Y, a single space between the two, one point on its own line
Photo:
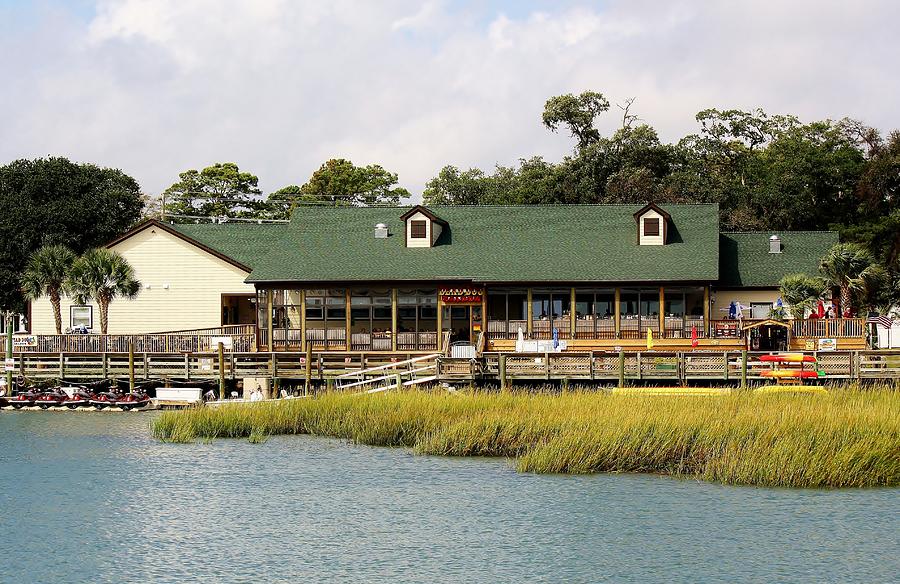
x=461 y=295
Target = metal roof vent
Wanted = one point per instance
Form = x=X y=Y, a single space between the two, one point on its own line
x=381 y=231
x=774 y=244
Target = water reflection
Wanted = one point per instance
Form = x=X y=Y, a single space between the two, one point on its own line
x=91 y=497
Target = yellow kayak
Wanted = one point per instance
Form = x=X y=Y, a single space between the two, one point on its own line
x=790 y=389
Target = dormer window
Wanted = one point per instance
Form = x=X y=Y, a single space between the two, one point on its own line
x=652 y=225
x=423 y=228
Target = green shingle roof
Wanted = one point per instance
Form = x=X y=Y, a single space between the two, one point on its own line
x=246 y=243
x=535 y=243
x=745 y=260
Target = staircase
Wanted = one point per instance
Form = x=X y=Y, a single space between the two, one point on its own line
x=391 y=376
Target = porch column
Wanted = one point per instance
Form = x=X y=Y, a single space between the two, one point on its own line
x=528 y=312
x=303 y=320
x=271 y=328
x=484 y=317
x=440 y=323
x=347 y=319
x=706 y=323
x=394 y=294
x=662 y=312
x=618 y=311
x=572 y=316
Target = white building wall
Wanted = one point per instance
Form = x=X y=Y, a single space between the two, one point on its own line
x=185 y=288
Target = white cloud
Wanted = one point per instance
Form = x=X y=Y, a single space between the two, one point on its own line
x=155 y=87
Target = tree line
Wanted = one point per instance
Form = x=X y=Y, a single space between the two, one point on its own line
x=767 y=172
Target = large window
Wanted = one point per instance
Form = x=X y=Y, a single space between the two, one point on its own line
x=638 y=311
x=683 y=311
x=417 y=319
x=550 y=309
x=370 y=310
x=595 y=314
x=81 y=317
x=507 y=311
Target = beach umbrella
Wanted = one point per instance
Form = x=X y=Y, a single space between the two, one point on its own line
x=732 y=310
x=740 y=311
x=779 y=303
x=555 y=338
x=820 y=309
x=520 y=341
x=694 y=341
x=649 y=338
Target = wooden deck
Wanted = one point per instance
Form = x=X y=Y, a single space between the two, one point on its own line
x=491 y=367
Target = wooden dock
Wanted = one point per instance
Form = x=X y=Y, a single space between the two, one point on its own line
x=490 y=367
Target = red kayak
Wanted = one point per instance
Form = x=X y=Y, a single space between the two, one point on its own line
x=788 y=358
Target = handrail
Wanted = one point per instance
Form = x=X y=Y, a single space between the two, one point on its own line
x=389 y=365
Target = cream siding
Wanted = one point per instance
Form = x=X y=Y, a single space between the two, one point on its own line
x=425 y=241
x=185 y=288
x=652 y=239
x=722 y=299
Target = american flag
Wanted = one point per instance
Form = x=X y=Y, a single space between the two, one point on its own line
x=884 y=321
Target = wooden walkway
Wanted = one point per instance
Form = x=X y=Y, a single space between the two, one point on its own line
x=490 y=367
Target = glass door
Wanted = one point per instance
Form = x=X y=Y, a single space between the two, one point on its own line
x=458 y=320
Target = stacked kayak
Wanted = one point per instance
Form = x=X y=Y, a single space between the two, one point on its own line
x=791 y=367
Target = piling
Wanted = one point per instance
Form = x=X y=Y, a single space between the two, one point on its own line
x=308 y=369
x=621 y=368
x=131 y=366
x=221 y=350
x=504 y=384
x=743 y=369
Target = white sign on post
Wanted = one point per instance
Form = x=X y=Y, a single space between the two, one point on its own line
x=9 y=364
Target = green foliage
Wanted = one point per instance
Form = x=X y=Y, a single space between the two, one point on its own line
x=50 y=201
x=801 y=293
x=220 y=190
x=102 y=275
x=47 y=274
x=577 y=113
x=851 y=268
x=340 y=182
x=847 y=438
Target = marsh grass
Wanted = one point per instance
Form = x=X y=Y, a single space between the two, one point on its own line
x=847 y=438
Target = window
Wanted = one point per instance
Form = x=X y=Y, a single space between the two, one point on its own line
x=417 y=229
x=651 y=227
x=81 y=316
x=760 y=309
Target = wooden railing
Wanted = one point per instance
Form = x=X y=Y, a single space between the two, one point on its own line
x=829 y=328
x=151 y=343
x=604 y=366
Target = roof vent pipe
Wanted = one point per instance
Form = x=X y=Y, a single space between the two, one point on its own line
x=381 y=231
x=774 y=244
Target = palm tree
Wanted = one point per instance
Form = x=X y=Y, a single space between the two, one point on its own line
x=46 y=274
x=102 y=275
x=852 y=269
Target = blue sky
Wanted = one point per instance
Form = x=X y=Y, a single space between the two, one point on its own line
x=159 y=86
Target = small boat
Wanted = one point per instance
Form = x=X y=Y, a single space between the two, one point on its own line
x=788 y=358
x=80 y=398
x=133 y=400
x=23 y=400
x=790 y=389
x=54 y=397
x=790 y=373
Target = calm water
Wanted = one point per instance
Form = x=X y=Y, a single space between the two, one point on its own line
x=89 y=497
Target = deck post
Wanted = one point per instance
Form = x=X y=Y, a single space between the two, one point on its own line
x=440 y=323
x=744 y=369
x=572 y=316
x=504 y=384
x=9 y=350
x=726 y=365
x=270 y=326
x=146 y=366
x=394 y=299
x=103 y=365
x=662 y=312
x=706 y=322
x=130 y=365
x=618 y=312
x=221 y=350
x=62 y=366
x=621 y=368
x=187 y=366
x=547 y=365
x=308 y=370
x=303 y=319
x=347 y=322
x=528 y=315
